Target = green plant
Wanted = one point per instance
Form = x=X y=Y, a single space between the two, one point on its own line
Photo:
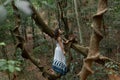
x=9 y=65
x=2 y=44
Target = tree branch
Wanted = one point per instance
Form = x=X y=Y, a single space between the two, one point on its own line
x=41 y=24
x=96 y=37
x=82 y=50
x=21 y=42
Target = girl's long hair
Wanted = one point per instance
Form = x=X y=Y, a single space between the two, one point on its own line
x=56 y=33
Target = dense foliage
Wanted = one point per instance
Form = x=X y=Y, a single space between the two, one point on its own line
x=44 y=46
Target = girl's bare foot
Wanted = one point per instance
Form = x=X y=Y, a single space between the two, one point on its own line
x=52 y=71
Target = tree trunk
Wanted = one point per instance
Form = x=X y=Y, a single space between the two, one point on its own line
x=81 y=49
x=96 y=37
x=94 y=43
x=78 y=22
x=21 y=42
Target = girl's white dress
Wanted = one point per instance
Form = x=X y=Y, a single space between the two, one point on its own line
x=59 y=62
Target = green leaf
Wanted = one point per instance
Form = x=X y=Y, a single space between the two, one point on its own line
x=2 y=44
x=110 y=72
x=2 y=62
x=11 y=62
x=11 y=68
x=17 y=69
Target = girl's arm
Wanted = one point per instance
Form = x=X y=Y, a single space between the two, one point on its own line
x=61 y=44
x=67 y=41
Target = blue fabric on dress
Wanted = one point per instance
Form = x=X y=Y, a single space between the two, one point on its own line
x=59 y=67
x=59 y=62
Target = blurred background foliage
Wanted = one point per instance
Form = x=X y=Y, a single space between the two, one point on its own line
x=44 y=45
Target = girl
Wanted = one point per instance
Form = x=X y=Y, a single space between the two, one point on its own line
x=59 y=61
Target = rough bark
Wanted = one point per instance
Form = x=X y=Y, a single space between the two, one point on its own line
x=93 y=50
x=61 y=5
x=96 y=37
x=41 y=24
x=94 y=54
x=114 y=77
x=77 y=47
x=21 y=42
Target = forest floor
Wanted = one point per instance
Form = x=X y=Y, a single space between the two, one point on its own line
x=29 y=72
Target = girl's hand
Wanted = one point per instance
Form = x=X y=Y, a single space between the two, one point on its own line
x=67 y=41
